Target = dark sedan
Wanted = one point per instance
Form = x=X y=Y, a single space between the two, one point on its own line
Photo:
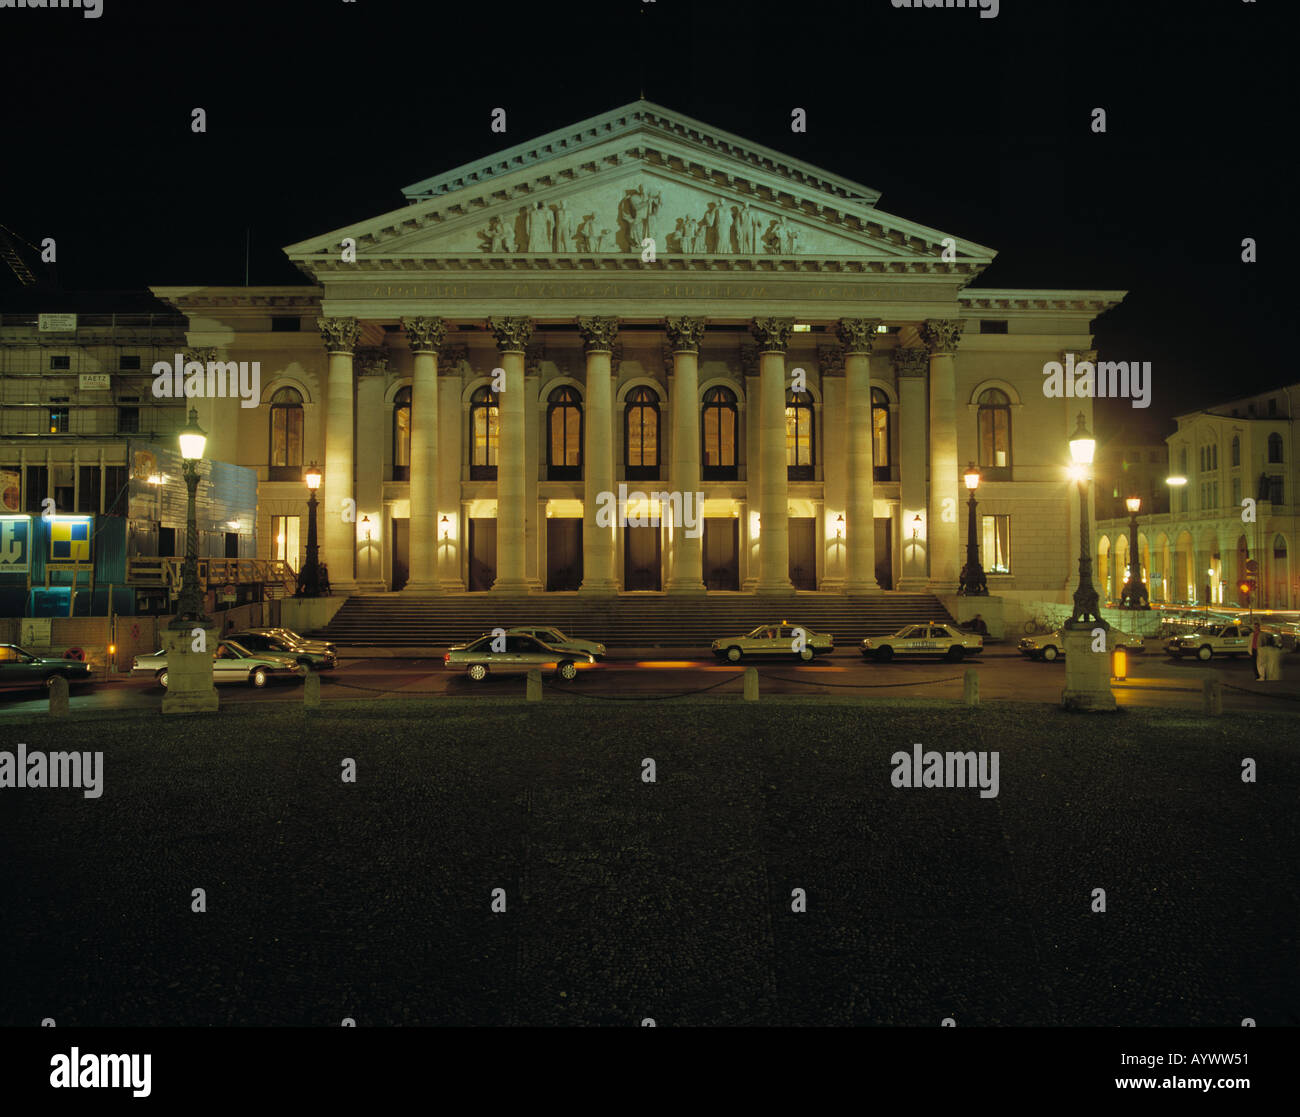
x=20 y=668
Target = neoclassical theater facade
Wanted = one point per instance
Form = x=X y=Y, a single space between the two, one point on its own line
x=772 y=383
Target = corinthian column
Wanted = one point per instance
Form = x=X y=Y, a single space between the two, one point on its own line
x=512 y=336
x=772 y=335
x=688 y=550
x=340 y=549
x=941 y=339
x=858 y=335
x=598 y=336
x=910 y=367
x=425 y=336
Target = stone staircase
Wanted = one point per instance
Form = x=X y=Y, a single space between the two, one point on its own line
x=628 y=620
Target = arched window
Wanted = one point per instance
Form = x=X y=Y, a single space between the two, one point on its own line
x=286 y=435
x=1275 y=447
x=484 y=434
x=1236 y=450
x=995 y=435
x=641 y=435
x=799 y=432
x=402 y=435
x=880 y=434
x=564 y=446
x=718 y=452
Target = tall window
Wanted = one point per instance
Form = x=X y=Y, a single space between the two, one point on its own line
x=719 y=435
x=402 y=435
x=641 y=435
x=996 y=544
x=880 y=434
x=485 y=434
x=799 y=430
x=995 y=435
x=1236 y=450
x=284 y=539
x=58 y=420
x=1275 y=447
x=564 y=447
x=286 y=435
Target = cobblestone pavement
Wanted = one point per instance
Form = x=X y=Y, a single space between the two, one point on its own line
x=672 y=900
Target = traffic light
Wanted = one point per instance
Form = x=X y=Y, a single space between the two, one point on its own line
x=1246 y=587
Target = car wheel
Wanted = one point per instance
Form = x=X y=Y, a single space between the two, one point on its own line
x=1050 y=653
x=568 y=672
x=257 y=677
x=884 y=655
x=954 y=654
x=806 y=654
x=477 y=672
x=162 y=678
x=733 y=654
x=1204 y=653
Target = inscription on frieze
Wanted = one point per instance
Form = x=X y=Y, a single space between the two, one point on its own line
x=639 y=289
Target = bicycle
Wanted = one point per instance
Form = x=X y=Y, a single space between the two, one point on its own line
x=1040 y=625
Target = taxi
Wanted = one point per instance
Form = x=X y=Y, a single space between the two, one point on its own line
x=1051 y=646
x=775 y=640
x=934 y=638
x=1210 y=640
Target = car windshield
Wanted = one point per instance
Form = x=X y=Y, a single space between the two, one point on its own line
x=760 y=633
x=906 y=630
x=1206 y=630
x=235 y=651
x=551 y=634
x=287 y=634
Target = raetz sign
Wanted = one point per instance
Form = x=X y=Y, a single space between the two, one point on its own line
x=15 y=544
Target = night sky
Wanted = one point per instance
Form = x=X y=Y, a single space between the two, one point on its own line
x=318 y=113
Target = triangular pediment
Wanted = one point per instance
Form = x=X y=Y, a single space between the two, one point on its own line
x=604 y=187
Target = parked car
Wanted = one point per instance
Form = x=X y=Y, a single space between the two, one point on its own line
x=931 y=639
x=21 y=668
x=1050 y=646
x=784 y=640
x=1210 y=640
x=231 y=663
x=303 y=641
x=518 y=653
x=313 y=654
x=554 y=638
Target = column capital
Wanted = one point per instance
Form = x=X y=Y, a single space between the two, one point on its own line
x=684 y=334
x=201 y=353
x=941 y=335
x=424 y=335
x=512 y=334
x=909 y=361
x=339 y=334
x=371 y=360
x=598 y=334
x=772 y=334
x=1089 y=355
x=830 y=359
x=857 y=335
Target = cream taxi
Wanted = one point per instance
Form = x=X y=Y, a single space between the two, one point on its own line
x=775 y=640
x=934 y=638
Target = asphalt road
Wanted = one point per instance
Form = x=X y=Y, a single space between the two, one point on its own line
x=1153 y=680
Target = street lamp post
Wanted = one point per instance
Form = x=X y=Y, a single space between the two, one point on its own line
x=1134 y=594
x=309 y=580
x=1085 y=635
x=188 y=673
x=1087 y=605
x=972 y=583
x=189 y=608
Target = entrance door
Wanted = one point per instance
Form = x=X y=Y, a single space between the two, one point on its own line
x=482 y=554
x=401 y=535
x=722 y=554
x=803 y=552
x=563 y=554
x=641 y=558
x=885 y=553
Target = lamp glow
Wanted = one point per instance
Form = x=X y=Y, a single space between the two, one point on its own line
x=192 y=438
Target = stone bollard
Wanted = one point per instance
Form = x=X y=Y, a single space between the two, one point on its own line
x=1212 y=698
x=533 y=692
x=971 y=687
x=311 y=691
x=59 y=697
x=751 y=684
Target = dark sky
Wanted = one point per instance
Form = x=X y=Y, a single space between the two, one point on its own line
x=319 y=112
